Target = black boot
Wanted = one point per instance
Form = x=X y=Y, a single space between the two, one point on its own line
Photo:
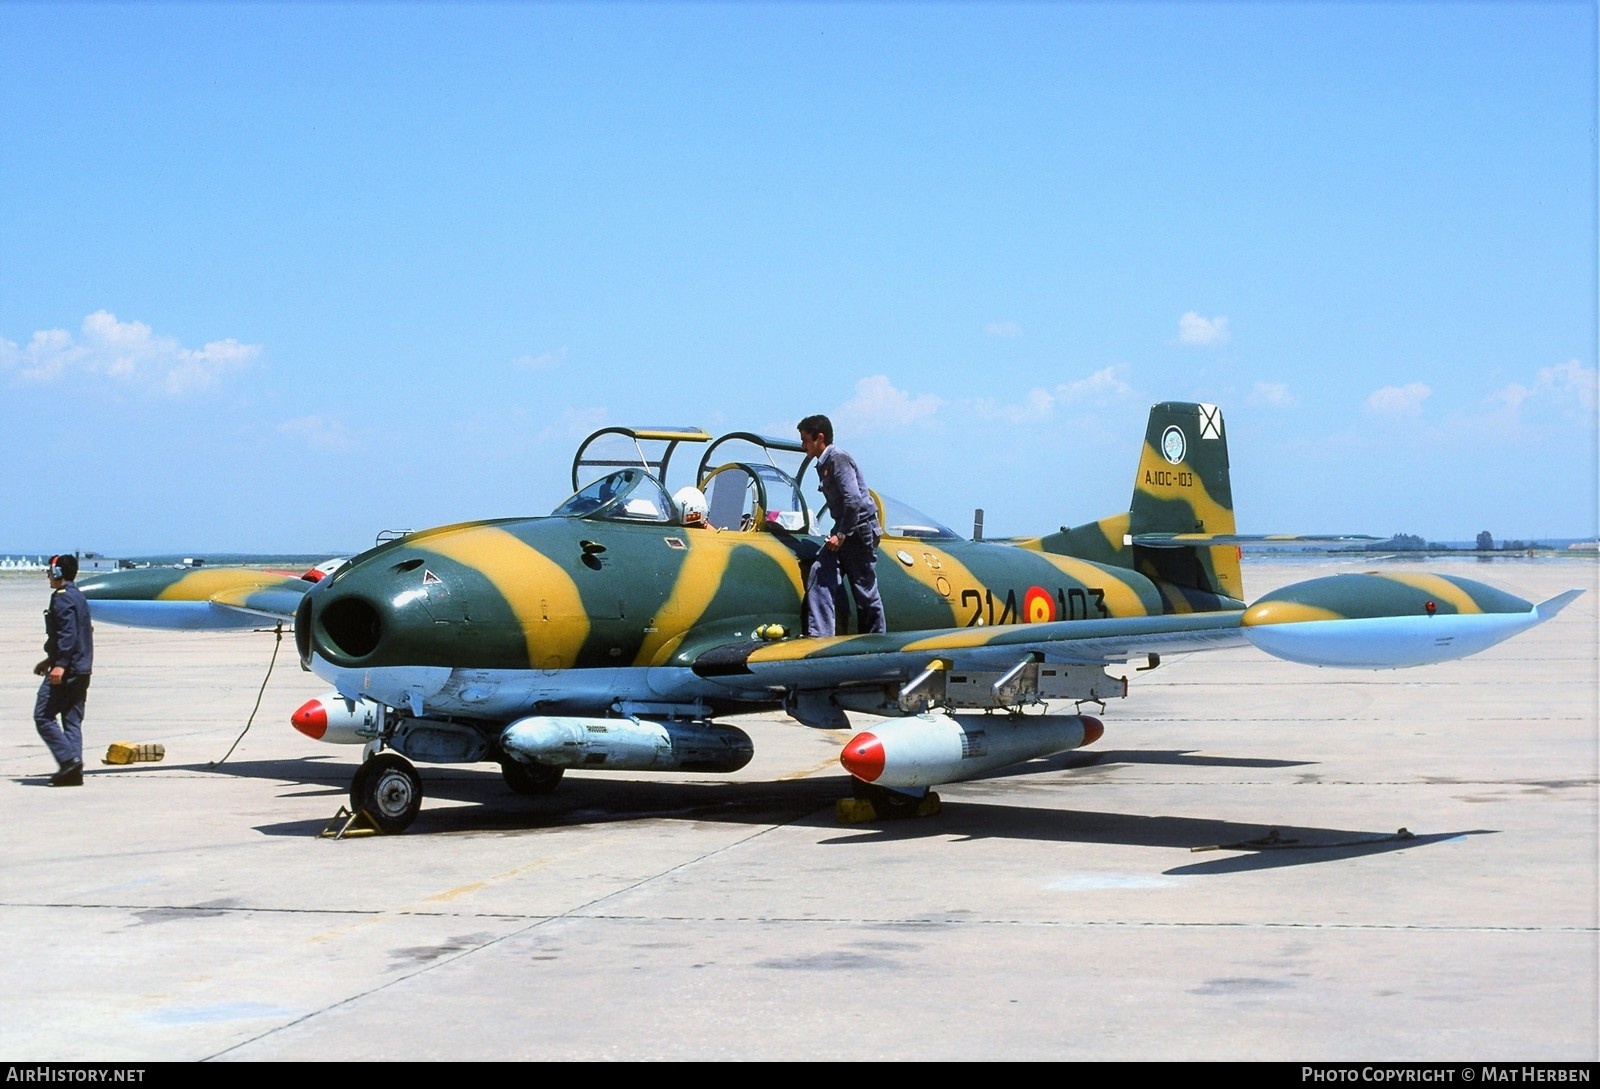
x=70 y=775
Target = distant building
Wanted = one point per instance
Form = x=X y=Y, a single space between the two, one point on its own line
x=88 y=562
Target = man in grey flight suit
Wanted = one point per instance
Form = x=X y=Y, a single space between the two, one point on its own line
x=851 y=551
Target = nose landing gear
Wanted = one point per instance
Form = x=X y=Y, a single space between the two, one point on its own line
x=387 y=791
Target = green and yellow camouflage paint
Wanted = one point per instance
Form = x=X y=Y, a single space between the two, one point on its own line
x=607 y=636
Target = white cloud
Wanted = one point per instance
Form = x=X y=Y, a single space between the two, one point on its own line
x=542 y=361
x=1103 y=383
x=1036 y=405
x=128 y=353
x=1003 y=329
x=194 y=371
x=1403 y=400
x=1566 y=385
x=1208 y=332
x=328 y=434
x=878 y=402
x=1270 y=395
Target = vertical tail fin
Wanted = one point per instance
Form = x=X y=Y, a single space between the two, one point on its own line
x=1183 y=486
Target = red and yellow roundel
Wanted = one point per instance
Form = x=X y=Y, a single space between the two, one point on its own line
x=1038 y=607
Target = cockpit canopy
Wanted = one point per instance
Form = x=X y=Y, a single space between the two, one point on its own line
x=747 y=495
x=650 y=448
x=902 y=520
x=755 y=495
x=627 y=495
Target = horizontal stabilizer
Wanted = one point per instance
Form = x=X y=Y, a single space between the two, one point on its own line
x=1547 y=609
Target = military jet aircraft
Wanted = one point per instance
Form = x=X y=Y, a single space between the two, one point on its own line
x=608 y=636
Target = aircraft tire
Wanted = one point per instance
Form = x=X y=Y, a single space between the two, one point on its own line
x=388 y=791
x=523 y=779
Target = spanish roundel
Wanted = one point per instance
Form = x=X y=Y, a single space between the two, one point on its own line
x=1038 y=607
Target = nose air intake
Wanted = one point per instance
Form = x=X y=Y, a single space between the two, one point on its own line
x=351 y=626
x=302 y=631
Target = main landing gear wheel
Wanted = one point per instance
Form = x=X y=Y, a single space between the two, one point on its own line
x=525 y=779
x=387 y=791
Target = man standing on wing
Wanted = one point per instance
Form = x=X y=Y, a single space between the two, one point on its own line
x=851 y=551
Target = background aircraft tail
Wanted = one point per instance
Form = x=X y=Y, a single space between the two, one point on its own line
x=1179 y=529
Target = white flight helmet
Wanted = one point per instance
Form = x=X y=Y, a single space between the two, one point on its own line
x=691 y=503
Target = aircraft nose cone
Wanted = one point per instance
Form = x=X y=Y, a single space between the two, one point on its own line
x=311 y=719
x=1093 y=728
x=863 y=757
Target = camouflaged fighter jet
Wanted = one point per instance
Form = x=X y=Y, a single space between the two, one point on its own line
x=607 y=636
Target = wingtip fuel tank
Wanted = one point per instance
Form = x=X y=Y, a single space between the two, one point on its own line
x=1389 y=621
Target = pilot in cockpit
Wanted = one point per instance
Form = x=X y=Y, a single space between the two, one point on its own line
x=691 y=504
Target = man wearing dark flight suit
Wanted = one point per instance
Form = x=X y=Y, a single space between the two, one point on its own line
x=68 y=661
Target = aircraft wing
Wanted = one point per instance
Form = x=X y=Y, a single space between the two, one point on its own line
x=206 y=598
x=1365 y=621
x=855 y=659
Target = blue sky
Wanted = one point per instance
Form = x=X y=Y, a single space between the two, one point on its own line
x=280 y=277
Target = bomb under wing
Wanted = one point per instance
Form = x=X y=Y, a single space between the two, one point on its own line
x=938 y=747
x=627 y=744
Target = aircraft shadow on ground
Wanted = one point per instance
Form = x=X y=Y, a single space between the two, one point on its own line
x=1241 y=847
x=1314 y=849
x=330 y=778
x=1079 y=759
x=578 y=801
x=326 y=775
x=587 y=801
